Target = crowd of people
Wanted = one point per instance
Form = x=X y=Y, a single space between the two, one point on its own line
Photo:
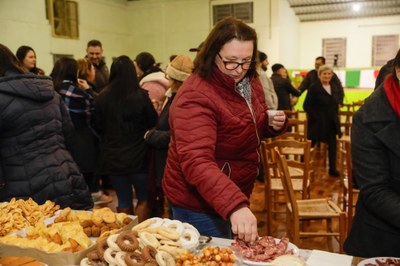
x=187 y=134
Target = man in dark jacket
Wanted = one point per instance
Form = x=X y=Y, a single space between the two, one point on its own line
x=35 y=132
x=94 y=52
x=283 y=87
x=312 y=76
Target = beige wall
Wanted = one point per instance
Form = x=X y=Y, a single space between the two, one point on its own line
x=165 y=27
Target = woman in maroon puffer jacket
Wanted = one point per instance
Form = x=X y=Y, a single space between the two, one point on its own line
x=217 y=120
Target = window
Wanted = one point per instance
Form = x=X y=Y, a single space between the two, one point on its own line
x=63 y=15
x=56 y=57
x=334 y=51
x=242 y=11
x=384 y=48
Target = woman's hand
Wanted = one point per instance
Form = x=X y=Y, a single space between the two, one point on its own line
x=279 y=120
x=83 y=84
x=244 y=224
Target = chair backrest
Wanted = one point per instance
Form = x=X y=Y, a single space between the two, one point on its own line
x=345 y=120
x=286 y=182
x=301 y=160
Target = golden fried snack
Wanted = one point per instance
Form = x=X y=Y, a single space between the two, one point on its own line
x=18 y=214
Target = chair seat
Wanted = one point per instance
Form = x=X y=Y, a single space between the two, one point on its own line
x=276 y=184
x=320 y=208
x=293 y=171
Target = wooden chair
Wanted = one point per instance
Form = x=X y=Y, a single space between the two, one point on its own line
x=309 y=209
x=350 y=194
x=300 y=172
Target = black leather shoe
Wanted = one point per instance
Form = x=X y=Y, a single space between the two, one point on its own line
x=334 y=172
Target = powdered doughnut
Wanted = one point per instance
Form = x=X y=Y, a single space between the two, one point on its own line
x=165 y=259
x=101 y=248
x=148 y=239
x=134 y=259
x=111 y=242
x=189 y=226
x=156 y=222
x=109 y=256
x=168 y=232
x=127 y=241
x=189 y=239
x=149 y=254
x=120 y=258
x=176 y=225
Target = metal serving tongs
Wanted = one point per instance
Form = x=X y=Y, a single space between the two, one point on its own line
x=203 y=241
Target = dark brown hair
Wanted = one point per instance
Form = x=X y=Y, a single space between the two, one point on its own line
x=223 y=32
x=94 y=43
x=64 y=69
x=8 y=61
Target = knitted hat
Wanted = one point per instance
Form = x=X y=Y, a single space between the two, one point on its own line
x=180 y=68
x=276 y=67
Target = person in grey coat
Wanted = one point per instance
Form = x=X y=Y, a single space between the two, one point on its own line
x=375 y=144
x=35 y=134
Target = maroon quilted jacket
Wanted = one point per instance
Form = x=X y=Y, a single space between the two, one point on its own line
x=212 y=159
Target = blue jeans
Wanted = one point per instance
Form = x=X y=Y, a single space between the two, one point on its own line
x=123 y=188
x=207 y=224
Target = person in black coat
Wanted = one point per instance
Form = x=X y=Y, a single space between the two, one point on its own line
x=80 y=105
x=36 y=134
x=158 y=137
x=312 y=76
x=322 y=106
x=123 y=114
x=375 y=145
x=283 y=87
x=383 y=72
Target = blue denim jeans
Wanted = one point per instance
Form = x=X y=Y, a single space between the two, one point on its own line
x=123 y=188
x=207 y=224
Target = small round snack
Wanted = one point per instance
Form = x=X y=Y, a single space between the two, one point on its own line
x=109 y=256
x=288 y=260
x=164 y=259
x=120 y=258
x=156 y=222
x=97 y=220
x=101 y=248
x=189 y=239
x=149 y=239
x=149 y=254
x=95 y=231
x=142 y=225
x=134 y=259
x=93 y=255
x=111 y=242
x=176 y=225
x=109 y=217
x=189 y=226
x=86 y=223
x=168 y=232
x=127 y=241
x=85 y=262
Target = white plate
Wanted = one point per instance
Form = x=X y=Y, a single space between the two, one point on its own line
x=291 y=246
x=373 y=260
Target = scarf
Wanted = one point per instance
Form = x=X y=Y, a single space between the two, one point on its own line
x=392 y=90
x=245 y=89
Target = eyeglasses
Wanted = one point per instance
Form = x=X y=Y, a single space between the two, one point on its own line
x=230 y=65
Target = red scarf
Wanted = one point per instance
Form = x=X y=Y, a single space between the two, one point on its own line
x=392 y=89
